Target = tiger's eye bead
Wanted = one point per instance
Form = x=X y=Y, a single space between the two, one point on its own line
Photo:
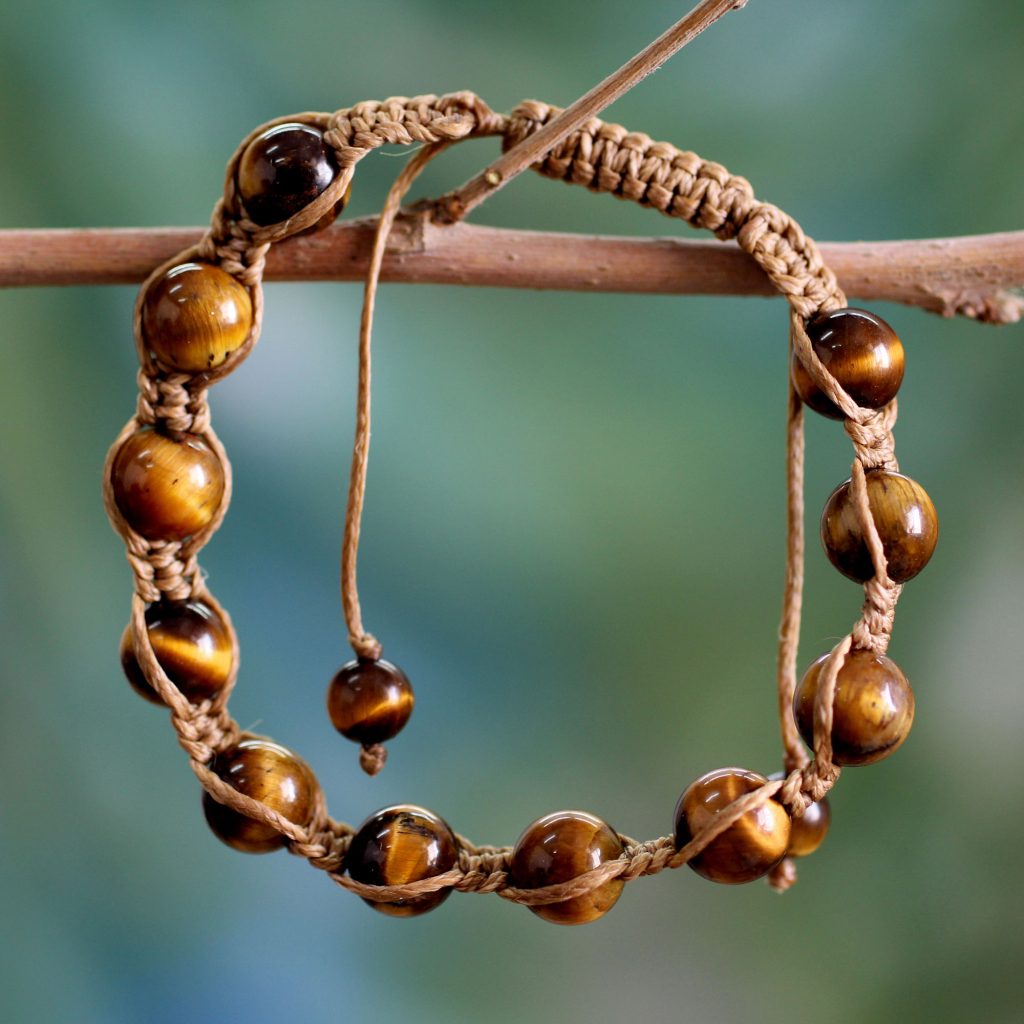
x=558 y=848
x=195 y=316
x=751 y=846
x=166 y=489
x=191 y=642
x=369 y=701
x=398 y=845
x=271 y=774
x=283 y=170
x=808 y=831
x=904 y=516
x=861 y=351
x=872 y=712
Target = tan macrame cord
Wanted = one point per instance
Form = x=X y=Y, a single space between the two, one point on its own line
x=604 y=158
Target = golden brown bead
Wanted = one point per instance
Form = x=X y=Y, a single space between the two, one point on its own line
x=861 y=351
x=191 y=642
x=747 y=849
x=271 y=774
x=194 y=316
x=166 y=489
x=872 y=712
x=283 y=170
x=369 y=701
x=398 y=845
x=904 y=516
x=558 y=848
x=808 y=831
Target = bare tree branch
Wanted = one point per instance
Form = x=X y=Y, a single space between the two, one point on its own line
x=966 y=276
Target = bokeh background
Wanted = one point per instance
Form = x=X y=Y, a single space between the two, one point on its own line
x=574 y=535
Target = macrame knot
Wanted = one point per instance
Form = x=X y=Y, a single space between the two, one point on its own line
x=373 y=758
x=168 y=400
x=366 y=646
x=204 y=733
x=484 y=869
x=874 y=627
x=172 y=577
x=783 y=876
x=642 y=856
x=871 y=434
x=807 y=785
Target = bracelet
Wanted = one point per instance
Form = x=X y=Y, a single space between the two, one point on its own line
x=167 y=486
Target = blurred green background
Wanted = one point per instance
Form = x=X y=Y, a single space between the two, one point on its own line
x=574 y=536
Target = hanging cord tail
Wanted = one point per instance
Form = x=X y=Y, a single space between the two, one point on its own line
x=792 y=599
x=365 y=644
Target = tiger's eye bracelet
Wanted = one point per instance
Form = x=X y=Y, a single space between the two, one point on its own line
x=167 y=485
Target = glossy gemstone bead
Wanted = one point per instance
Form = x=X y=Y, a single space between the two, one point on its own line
x=271 y=774
x=398 y=845
x=747 y=849
x=283 y=170
x=369 y=701
x=195 y=316
x=904 y=516
x=872 y=712
x=558 y=848
x=191 y=642
x=166 y=489
x=861 y=351
x=808 y=831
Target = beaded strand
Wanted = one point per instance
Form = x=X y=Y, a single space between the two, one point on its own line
x=167 y=485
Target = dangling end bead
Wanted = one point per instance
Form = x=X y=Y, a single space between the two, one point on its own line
x=369 y=701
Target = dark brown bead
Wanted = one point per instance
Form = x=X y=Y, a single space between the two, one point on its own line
x=369 y=701
x=398 y=845
x=558 y=848
x=283 y=170
x=191 y=642
x=751 y=846
x=166 y=489
x=861 y=351
x=872 y=712
x=904 y=516
x=195 y=316
x=271 y=774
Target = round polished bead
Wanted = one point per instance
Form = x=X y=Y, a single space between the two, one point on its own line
x=270 y=774
x=191 y=642
x=872 y=712
x=808 y=831
x=861 y=351
x=166 y=489
x=283 y=170
x=369 y=701
x=904 y=516
x=558 y=848
x=194 y=316
x=398 y=845
x=747 y=849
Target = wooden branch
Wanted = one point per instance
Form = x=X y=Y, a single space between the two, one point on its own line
x=966 y=276
x=455 y=205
